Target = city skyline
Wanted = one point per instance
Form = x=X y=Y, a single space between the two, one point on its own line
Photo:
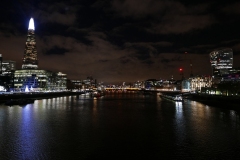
x=122 y=40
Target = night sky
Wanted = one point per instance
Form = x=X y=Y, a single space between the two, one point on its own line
x=121 y=40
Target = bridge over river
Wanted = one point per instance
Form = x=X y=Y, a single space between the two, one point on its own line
x=161 y=91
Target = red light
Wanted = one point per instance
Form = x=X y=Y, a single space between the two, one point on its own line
x=180 y=69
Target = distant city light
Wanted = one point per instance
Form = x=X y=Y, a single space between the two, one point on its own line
x=31 y=24
x=26 y=89
x=2 y=88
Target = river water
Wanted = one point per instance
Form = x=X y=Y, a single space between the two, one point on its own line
x=118 y=126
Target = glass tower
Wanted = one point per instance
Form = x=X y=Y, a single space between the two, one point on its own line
x=30 y=60
x=221 y=60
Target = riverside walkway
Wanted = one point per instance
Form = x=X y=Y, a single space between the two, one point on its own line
x=4 y=96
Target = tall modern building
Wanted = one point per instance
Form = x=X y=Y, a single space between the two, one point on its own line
x=30 y=76
x=221 y=61
x=30 y=60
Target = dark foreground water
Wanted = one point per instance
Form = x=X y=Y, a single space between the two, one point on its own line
x=118 y=126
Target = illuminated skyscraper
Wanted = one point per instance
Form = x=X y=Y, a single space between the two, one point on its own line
x=30 y=60
x=30 y=76
x=221 y=60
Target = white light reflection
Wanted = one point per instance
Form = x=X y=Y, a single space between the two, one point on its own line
x=235 y=119
x=95 y=112
x=64 y=100
x=44 y=103
x=26 y=132
x=178 y=106
x=179 y=122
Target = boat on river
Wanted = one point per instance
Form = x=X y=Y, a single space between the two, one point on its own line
x=177 y=98
x=98 y=93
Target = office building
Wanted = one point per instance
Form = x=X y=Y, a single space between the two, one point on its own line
x=221 y=61
x=7 y=74
x=39 y=80
x=8 y=67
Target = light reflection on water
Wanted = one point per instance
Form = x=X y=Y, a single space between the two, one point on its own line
x=117 y=126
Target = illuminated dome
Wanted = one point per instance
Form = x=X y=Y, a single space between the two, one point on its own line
x=31 y=24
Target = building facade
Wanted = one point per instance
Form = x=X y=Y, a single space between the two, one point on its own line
x=7 y=74
x=221 y=61
x=199 y=82
x=39 y=80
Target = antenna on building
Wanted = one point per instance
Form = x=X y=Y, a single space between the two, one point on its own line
x=190 y=61
x=191 y=74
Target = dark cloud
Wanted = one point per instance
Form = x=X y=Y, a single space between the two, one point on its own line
x=232 y=8
x=170 y=16
x=165 y=60
x=137 y=8
x=125 y=60
x=178 y=24
x=57 y=51
x=236 y=48
x=121 y=40
x=103 y=61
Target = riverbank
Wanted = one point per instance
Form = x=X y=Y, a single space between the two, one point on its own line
x=35 y=95
x=227 y=102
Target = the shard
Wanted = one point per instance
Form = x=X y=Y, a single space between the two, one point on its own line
x=30 y=60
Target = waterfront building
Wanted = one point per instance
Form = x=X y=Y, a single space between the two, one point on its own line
x=6 y=81
x=186 y=85
x=152 y=83
x=199 y=82
x=167 y=83
x=89 y=83
x=30 y=76
x=232 y=75
x=162 y=84
x=221 y=61
x=138 y=84
x=7 y=74
x=61 y=81
x=35 y=80
x=39 y=80
x=77 y=84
